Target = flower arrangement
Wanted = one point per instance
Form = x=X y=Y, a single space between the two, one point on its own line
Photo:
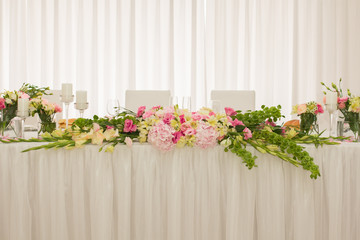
x=9 y=99
x=46 y=112
x=308 y=116
x=171 y=127
x=348 y=105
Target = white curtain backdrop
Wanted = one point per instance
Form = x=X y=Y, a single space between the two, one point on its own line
x=280 y=48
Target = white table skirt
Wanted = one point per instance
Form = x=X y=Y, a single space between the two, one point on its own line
x=141 y=193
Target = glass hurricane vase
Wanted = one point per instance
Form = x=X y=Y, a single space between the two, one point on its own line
x=308 y=123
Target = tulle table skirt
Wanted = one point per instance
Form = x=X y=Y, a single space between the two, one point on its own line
x=141 y=193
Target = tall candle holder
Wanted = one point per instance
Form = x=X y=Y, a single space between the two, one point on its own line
x=67 y=99
x=81 y=107
x=331 y=108
x=22 y=115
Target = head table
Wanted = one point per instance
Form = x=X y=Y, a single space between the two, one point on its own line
x=189 y=193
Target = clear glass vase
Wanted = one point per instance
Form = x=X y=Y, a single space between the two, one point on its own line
x=46 y=127
x=308 y=123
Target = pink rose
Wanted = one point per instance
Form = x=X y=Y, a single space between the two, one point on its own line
x=182 y=119
x=24 y=95
x=156 y=107
x=212 y=114
x=230 y=111
x=109 y=127
x=196 y=116
x=148 y=114
x=129 y=126
x=267 y=122
x=140 y=111
x=343 y=99
x=2 y=103
x=185 y=126
x=342 y=105
x=57 y=108
x=190 y=131
x=177 y=136
x=236 y=122
x=319 y=109
x=301 y=109
x=168 y=117
x=247 y=133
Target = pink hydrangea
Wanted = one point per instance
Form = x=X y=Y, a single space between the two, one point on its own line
x=161 y=136
x=169 y=109
x=2 y=103
x=129 y=126
x=247 y=133
x=206 y=136
x=229 y=111
x=140 y=111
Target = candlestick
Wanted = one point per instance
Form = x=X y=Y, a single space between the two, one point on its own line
x=81 y=107
x=81 y=97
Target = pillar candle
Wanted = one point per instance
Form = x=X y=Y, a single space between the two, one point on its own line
x=81 y=97
x=66 y=90
x=23 y=105
x=331 y=98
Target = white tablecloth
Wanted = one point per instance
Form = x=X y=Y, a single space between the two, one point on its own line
x=141 y=193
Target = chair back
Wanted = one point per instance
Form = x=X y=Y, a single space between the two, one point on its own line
x=237 y=99
x=149 y=98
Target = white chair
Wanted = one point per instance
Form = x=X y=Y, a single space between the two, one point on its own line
x=149 y=98
x=237 y=99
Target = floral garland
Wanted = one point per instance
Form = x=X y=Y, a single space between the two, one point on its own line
x=171 y=127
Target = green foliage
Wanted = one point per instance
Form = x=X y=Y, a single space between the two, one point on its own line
x=34 y=91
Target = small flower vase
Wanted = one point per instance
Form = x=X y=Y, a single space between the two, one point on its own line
x=308 y=123
x=351 y=123
x=46 y=127
x=3 y=123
